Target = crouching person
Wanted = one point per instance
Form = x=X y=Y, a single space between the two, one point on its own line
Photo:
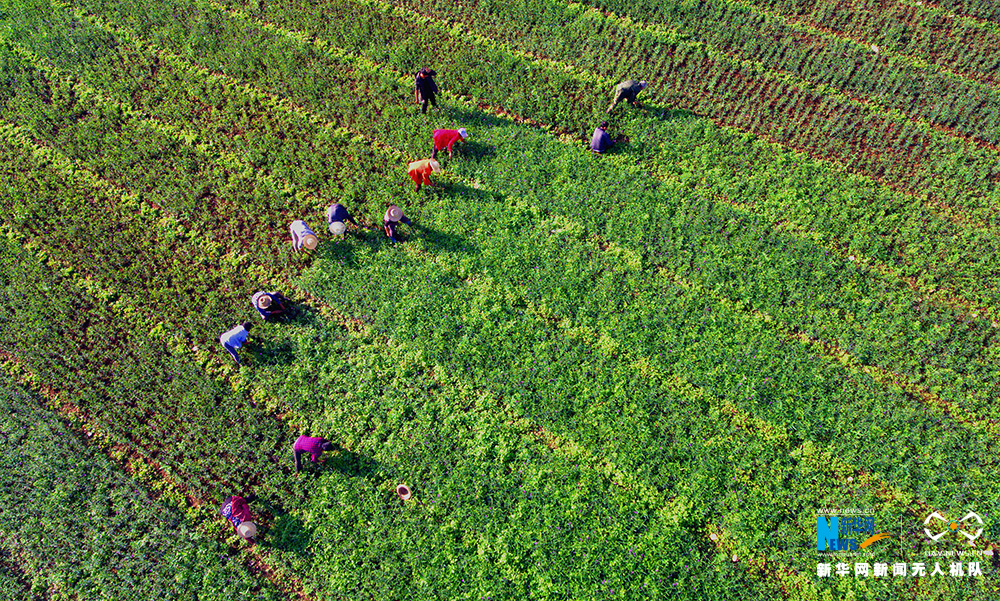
x=237 y=511
x=314 y=445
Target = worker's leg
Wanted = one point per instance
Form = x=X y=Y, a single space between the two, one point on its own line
x=423 y=105
x=617 y=99
x=434 y=152
x=232 y=351
x=433 y=99
x=298 y=460
x=295 y=240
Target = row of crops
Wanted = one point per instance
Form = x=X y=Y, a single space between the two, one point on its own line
x=631 y=354
x=69 y=514
x=801 y=300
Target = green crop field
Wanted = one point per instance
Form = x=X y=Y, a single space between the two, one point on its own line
x=679 y=370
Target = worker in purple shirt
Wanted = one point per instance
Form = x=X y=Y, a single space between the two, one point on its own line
x=313 y=445
x=601 y=142
x=337 y=213
x=235 y=338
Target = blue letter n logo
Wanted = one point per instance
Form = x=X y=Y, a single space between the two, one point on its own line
x=826 y=531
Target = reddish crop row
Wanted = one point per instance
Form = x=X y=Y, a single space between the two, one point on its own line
x=927 y=30
x=905 y=153
x=856 y=69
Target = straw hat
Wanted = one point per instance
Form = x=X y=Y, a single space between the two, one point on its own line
x=394 y=213
x=337 y=228
x=463 y=133
x=247 y=530
x=436 y=166
x=263 y=301
x=404 y=492
x=310 y=241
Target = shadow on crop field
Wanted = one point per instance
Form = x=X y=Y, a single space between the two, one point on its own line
x=290 y=534
x=342 y=251
x=670 y=113
x=351 y=464
x=478 y=150
x=445 y=241
x=276 y=352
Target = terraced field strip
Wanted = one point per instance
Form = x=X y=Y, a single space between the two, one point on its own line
x=884 y=80
x=572 y=332
x=925 y=30
x=155 y=478
x=93 y=97
x=823 y=119
x=940 y=214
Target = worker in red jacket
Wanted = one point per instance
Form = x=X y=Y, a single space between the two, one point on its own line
x=420 y=172
x=314 y=445
x=237 y=511
x=446 y=138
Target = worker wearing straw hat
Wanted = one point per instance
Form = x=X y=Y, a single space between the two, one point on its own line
x=314 y=445
x=303 y=236
x=420 y=172
x=269 y=304
x=337 y=218
x=393 y=216
x=235 y=338
x=627 y=90
x=447 y=138
x=237 y=511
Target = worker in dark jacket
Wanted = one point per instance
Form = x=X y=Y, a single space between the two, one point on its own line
x=237 y=511
x=313 y=445
x=393 y=216
x=601 y=141
x=270 y=304
x=627 y=90
x=337 y=218
x=425 y=89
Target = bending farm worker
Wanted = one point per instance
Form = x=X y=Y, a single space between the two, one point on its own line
x=302 y=236
x=313 y=445
x=446 y=138
x=627 y=90
x=425 y=89
x=601 y=142
x=420 y=172
x=236 y=510
x=393 y=216
x=235 y=338
x=269 y=304
x=336 y=219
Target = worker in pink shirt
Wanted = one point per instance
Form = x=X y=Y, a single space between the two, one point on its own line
x=446 y=138
x=314 y=445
